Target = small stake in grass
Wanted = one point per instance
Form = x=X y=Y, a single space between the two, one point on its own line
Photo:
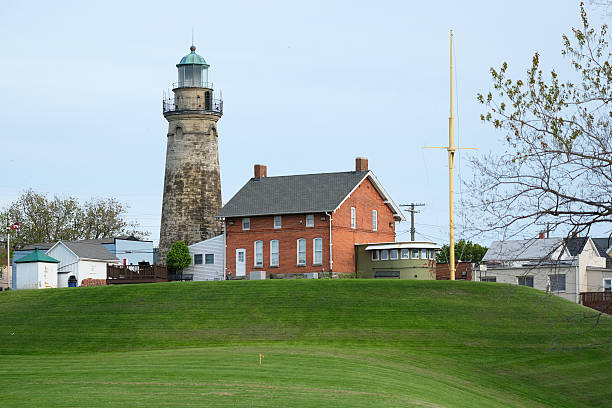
x=260 y=357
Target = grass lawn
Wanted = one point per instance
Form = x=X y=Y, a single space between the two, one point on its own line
x=340 y=343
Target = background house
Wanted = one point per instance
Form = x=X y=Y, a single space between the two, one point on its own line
x=79 y=261
x=565 y=267
x=306 y=223
x=128 y=250
x=207 y=259
x=399 y=260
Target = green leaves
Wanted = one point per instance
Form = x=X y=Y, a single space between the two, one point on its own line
x=178 y=257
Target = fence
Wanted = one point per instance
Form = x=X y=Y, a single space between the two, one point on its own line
x=117 y=274
x=601 y=301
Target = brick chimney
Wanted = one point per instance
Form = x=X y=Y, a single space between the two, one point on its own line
x=361 y=164
x=574 y=234
x=542 y=235
x=260 y=171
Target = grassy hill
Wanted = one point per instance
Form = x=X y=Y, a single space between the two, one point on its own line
x=341 y=343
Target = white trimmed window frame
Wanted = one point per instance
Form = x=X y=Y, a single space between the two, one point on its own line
x=405 y=253
x=246 y=224
x=353 y=217
x=273 y=261
x=384 y=254
x=412 y=252
x=375 y=254
x=278 y=222
x=394 y=254
x=301 y=261
x=309 y=220
x=316 y=261
x=374 y=220
x=257 y=254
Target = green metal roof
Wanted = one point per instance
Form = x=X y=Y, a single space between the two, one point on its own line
x=37 y=256
x=193 y=59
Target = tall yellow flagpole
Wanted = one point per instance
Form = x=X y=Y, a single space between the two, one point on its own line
x=451 y=148
x=451 y=159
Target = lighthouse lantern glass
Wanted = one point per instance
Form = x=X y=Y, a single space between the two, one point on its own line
x=192 y=75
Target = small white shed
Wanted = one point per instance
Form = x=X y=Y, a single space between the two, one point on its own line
x=207 y=259
x=37 y=271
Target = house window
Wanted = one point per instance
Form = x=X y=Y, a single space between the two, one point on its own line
x=277 y=221
x=353 y=217
x=607 y=285
x=394 y=253
x=197 y=259
x=384 y=254
x=488 y=279
x=274 y=252
x=557 y=283
x=525 y=281
x=432 y=254
x=375 y=254
x=317 y=251
x=423 y=254
x=374 y=220
x=405 y=253
x=415 y=254
x=246 y=224
x=310 y=220
x=258 y=253
x=209 y=259
x=301 y=251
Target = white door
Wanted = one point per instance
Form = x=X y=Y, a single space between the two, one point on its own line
x=240 y=262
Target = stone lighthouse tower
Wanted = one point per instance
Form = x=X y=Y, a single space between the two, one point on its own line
x=192 y=184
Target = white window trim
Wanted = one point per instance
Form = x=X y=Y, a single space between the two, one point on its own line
x=551 y=285
x=298 y=251
x=397 y=256
x=278 y=249
x=402 y=250
x=383 y=251
x=374 y=220
x=307 y=224
x=255 y=254
x=353 y=218
x=249 y=220
x=412 y=252
x=280 y=218
x=314 y=251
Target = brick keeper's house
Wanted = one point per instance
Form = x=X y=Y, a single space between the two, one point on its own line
x=306 y=223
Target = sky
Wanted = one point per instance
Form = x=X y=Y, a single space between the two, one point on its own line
x=307 y=87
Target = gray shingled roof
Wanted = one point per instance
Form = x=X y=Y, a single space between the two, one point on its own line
x=522 y=250
x=576 y=245
x=90 y=250
x=306 y=193
x=602 y=246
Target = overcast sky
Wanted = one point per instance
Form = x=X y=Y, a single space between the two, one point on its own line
x=307 y=87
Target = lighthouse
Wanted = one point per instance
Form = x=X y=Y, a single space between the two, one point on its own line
x=192 y=183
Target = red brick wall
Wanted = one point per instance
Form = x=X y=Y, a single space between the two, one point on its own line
x=262 y=228
x=443 y=272
x=364 y=199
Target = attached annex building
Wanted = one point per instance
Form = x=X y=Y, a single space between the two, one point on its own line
x=306 y=223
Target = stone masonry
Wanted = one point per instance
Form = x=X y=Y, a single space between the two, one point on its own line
x=192 y=184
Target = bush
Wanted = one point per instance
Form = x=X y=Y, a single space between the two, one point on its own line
x=178 y=257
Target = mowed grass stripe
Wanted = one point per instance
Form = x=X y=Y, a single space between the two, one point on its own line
x=326 y=343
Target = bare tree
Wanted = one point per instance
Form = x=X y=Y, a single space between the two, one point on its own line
x=557 y=165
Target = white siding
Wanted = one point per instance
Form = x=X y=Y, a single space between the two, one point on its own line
x=68 y=261
x=27 y=275
x=91 y=269
x=204 y=272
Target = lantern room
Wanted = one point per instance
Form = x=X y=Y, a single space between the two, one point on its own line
x=193 y=71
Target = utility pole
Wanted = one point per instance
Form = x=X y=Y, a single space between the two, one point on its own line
x=451 y=148
x=412 y=212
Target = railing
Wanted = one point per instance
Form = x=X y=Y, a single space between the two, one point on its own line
x=601 y=301
x=192 y=84
x=193 y=105
x=149 y=273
